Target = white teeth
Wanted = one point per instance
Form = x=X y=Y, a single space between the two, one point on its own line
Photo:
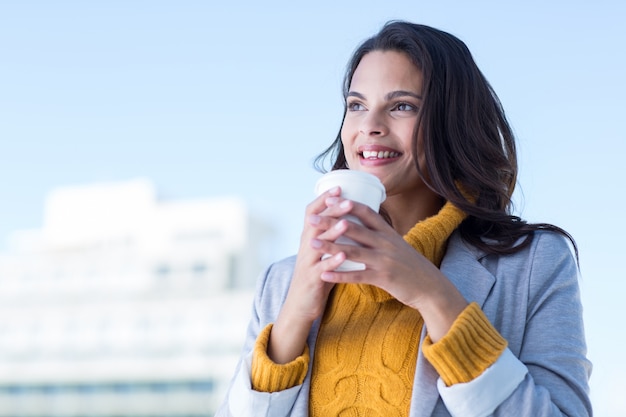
x=379 y=154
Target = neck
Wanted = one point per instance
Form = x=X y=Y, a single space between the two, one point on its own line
x=406 y=212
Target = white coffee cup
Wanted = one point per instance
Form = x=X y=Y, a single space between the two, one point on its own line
x=358 y=186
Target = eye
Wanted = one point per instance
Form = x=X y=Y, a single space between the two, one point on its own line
x=405 y=107
x=355 y=106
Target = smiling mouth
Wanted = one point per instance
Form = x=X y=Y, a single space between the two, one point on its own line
x=379 y=154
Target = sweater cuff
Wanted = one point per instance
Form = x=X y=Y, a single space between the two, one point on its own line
x=470 y=347
x=268 y=376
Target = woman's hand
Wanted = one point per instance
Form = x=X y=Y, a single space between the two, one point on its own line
x=393 y=265
x=308 y=293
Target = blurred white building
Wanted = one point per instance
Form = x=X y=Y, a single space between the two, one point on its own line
x=124 y=305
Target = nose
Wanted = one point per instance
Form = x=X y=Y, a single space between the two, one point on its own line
x=373 y=124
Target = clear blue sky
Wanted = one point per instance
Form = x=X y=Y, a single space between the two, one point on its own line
x=213 y=100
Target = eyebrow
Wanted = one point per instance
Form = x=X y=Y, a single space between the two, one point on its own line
x=402 y=93
x=389 y=96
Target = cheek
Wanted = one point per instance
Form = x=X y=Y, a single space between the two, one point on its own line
x=346 y=134
x=347 y=149
x=421 y=159
x=346 y=129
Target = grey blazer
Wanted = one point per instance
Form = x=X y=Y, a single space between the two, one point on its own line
x=532 y=297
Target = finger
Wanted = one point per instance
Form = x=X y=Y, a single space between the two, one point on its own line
x=370 y=218
x=321 y=245
x=333 y=228
x=313 y=212
x=312 y=226
x=345 y=277
x=337 y=206
x=348 y=228
x=353 y=252
x=319 y=204
x=331 y=263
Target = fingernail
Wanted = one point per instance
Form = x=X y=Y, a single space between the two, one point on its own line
x=340 y=224
x=345 y=204
x=316 y=243
x=334 y=190
x=331 y=201
x=314 y=219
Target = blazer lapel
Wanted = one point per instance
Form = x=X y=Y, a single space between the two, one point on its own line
x=425 y=394
x=461 y=265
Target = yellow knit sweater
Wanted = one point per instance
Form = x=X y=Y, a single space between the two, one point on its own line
x=367 y=346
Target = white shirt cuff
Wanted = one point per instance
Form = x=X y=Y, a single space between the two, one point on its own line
x=243 y=401
x=481 y=396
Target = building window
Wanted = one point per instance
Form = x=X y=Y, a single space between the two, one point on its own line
x=199 y=268
x=162 y=270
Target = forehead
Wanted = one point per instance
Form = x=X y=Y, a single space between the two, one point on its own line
x=386 y=70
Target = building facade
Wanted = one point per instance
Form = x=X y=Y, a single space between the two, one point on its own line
x=125 y=305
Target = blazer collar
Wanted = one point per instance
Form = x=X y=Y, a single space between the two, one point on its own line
x=462 y=265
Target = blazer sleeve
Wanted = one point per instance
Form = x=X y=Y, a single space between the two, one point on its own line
x=241 y=400
x=545 y=372
x=553 y=346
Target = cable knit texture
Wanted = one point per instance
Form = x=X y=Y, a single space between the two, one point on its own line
x=367 y=346
x=365 y=356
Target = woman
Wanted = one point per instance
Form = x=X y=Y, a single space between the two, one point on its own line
x=463 y=309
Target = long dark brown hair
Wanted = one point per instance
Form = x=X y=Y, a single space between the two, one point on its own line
x=468 y=144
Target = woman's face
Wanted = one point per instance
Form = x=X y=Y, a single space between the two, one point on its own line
x=382 y=111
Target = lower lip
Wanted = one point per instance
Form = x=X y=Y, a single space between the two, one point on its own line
x=376 y=162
